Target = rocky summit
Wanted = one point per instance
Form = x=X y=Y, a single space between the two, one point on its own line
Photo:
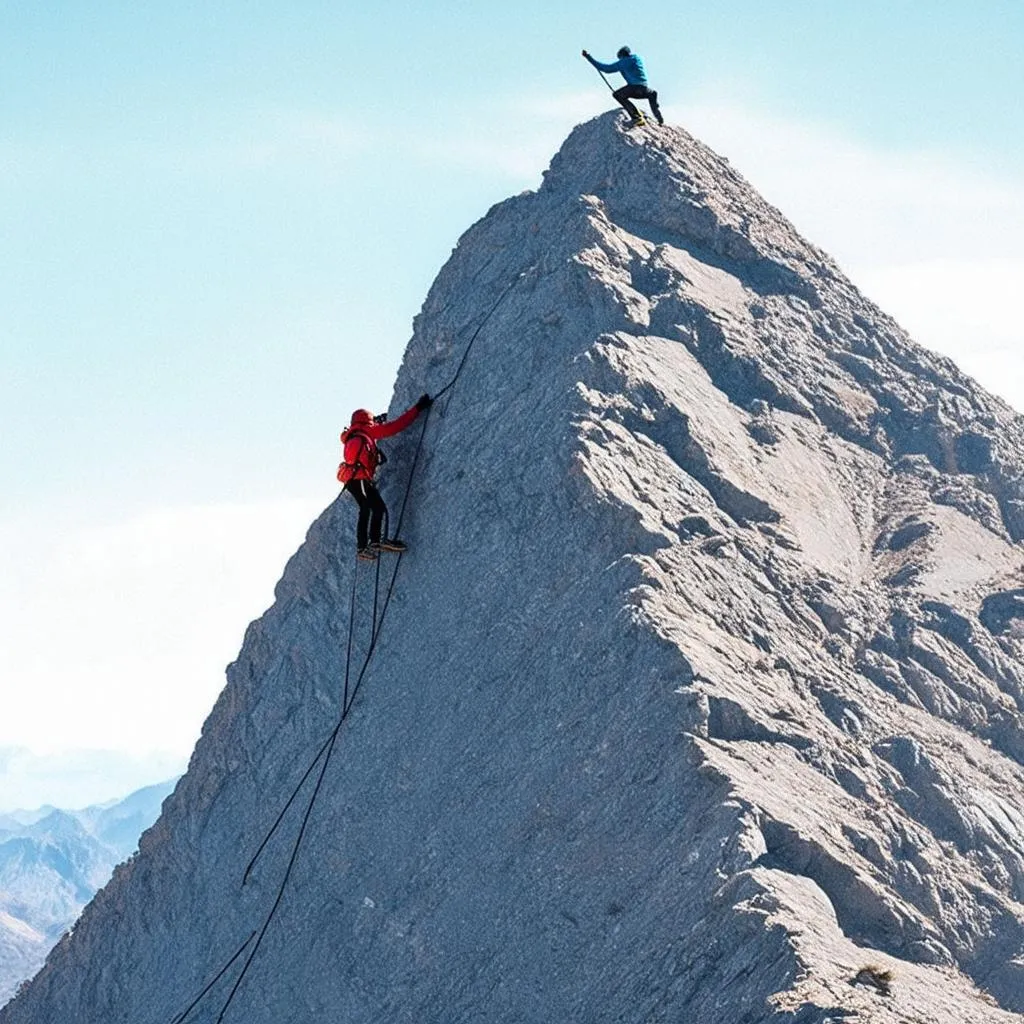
x=697 y=697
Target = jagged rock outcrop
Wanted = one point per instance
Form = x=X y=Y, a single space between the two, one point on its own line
x=699 y=695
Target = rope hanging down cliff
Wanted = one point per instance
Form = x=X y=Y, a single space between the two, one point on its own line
x=345 y=705
x=327 y=748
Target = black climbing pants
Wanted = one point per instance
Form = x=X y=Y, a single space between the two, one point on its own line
x=638 y=92
x=372 y=511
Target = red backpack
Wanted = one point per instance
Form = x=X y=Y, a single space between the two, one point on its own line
x=362 y=462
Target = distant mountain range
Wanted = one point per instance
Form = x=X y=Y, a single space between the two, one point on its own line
x=52 y=862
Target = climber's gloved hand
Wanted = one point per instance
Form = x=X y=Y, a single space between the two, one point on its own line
x=424 y=402
x=585 y=54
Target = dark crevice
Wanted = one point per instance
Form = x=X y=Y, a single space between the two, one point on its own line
x=1000 y=610
x=863 y=912
x=670 y=430
x=906 y=534
x=738 y=375
x=730 y=721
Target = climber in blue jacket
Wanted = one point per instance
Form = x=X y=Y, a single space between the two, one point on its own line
x=631 y=67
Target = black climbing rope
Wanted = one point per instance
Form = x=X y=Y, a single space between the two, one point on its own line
x=348 y=700
x=344 y=696
x=333 y=740
x=465 y=355
x=443 y=391
x=220 y=974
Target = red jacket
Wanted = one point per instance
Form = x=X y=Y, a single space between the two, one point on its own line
x=359 y=441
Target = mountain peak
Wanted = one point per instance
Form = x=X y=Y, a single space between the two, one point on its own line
x=698 y=694
x=670 y=187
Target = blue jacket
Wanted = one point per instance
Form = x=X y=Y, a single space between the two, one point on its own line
x=631 y=68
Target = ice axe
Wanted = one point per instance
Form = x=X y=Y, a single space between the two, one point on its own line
x=601 y=73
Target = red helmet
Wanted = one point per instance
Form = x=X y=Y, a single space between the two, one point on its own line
x=361 y=417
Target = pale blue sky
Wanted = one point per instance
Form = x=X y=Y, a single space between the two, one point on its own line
x=219 y=219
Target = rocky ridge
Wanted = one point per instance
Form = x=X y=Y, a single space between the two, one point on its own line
x=700 y=693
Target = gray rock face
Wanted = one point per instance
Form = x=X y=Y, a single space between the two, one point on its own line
x=698 y=695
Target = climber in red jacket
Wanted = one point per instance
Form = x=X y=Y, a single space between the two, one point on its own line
x=361 y=458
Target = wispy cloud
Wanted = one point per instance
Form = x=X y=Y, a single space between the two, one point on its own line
x=933 y=237
x=514 y=136
x=278 y=138
x=223 y=144
x=966 y=309
x=571 y=107
x=116 y=636
x=859 y=200
x=77 y=778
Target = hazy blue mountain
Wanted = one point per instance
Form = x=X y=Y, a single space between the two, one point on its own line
x=52 y=862
x=119 y=825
